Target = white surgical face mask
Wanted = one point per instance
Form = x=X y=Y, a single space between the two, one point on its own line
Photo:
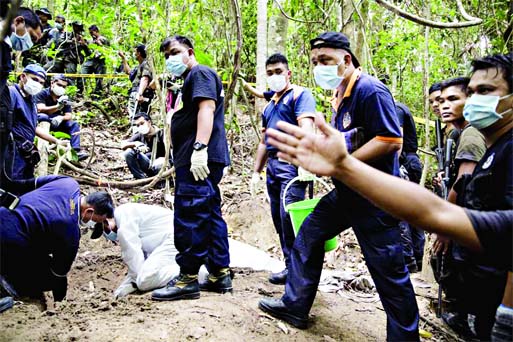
x=112 y=236
x=58 y=90
x=326 y=76
x=21 y=43
x=32 y=87
x=144 y=129
x=277 y=82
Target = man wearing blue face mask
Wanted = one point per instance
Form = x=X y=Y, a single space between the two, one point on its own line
x=39 y=239
x=295 y=105
x=200 y=153
x=489 y=108
x=361 y=104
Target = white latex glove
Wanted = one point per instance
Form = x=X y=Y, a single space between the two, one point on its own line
x=124 y=289
x=139 y=146
x=254 y=183
x=57 y=120
x=199 y=164
x=62 y=142
x=304 y=175
x=63 y=100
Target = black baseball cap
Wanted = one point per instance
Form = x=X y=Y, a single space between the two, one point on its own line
x=335 y=40
x=44 y=11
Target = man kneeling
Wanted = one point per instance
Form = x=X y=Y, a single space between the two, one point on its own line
x=145 y=234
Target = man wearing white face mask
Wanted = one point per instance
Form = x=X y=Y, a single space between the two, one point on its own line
x=53 y=106
x=295 y=105
x=39 y=239
x=145 y=150
x=22 y=154
x=361 y=104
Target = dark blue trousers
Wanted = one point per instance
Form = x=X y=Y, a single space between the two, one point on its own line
x=139 y=163
x=380 y=241
x=69 y=127
x=201 y=234
x=16 y=166
x=279 y=174
x=413 y=240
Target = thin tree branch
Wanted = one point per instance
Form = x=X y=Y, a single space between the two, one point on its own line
x=426 y=22
x=294 y=19
x=236 y=57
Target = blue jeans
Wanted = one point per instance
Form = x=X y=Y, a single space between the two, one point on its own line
x=279 y=174
x=201 y=234
x=413 y=240
x=69 y=127
x=380 y=241
x=139 y=164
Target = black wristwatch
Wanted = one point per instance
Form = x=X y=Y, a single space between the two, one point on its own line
x=198 y=146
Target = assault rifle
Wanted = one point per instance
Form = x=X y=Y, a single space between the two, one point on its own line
x=446 y=179
x=439 y=150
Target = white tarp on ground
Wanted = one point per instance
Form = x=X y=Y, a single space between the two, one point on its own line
x=244 y=255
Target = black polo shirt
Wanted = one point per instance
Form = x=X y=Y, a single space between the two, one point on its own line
x=410 y=144
x=201 y=83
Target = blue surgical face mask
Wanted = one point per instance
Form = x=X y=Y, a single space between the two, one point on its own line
x=175 y=65
x=58 y=26
x=88 y=224
x=480 y=110
x=112 y=236
x=326 y=76
x=21 y=43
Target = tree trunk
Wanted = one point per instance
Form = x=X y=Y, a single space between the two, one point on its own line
x=261 y=52
x=277 y=36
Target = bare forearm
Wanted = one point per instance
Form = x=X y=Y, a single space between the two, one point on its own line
x=143 y=85
x=260 y=157
x=205 y=121
x=42 y=108
x=408 y=201
x=375 y=149
x=50 y=138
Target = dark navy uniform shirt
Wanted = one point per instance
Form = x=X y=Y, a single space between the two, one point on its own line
x=25 y=115
x=201 y=83
x=293 y=104
x=410 y=144
x=494 y=230
x=368 y=104
x=47 y=221
x=45 y=97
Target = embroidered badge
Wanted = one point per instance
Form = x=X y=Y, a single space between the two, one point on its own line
x=346 y=120
x=72 y=206
x=488 y=161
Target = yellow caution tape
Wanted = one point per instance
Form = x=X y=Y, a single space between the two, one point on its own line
x=84 y=75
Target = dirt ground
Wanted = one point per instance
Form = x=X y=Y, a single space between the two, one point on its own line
x=90 y=312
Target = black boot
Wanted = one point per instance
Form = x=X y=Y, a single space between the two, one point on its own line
x=279 y=278
x=220 y=282
x=276 y=308
x=185 y=286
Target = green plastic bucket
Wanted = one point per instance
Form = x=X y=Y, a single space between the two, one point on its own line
x=298 y=212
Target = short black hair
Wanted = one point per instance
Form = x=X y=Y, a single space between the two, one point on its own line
x=142 y=115
x=101 y=202
x=31 y=19
x=94 y=28
x=435 y=87
x=180 y=39
x=503 y=63
x=62 y=77
x=277 y=58
x=461 y=82
x=141 y=48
